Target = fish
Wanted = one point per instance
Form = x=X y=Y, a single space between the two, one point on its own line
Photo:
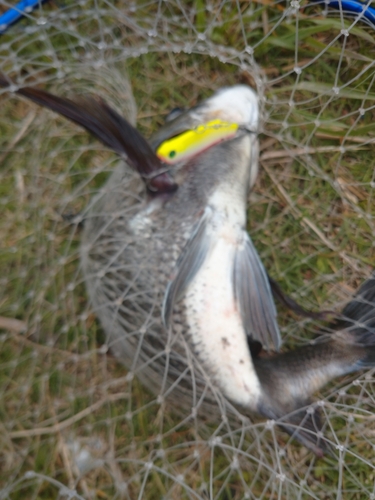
x=176 y=281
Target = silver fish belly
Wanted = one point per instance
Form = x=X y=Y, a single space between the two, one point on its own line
x=213 y=317
x=215 y=324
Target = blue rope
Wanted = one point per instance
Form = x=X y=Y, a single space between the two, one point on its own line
x=15 y=14
x=353 y=7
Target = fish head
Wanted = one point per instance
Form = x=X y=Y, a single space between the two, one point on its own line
x=229 y=114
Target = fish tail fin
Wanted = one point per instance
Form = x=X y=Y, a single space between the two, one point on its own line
x=358 y=321
x=106 y=125
x=358 y=316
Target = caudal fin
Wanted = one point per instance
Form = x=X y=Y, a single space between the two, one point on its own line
x=110 y=128
x=358 y=316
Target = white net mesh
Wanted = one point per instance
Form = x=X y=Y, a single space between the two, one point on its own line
x=74 y=422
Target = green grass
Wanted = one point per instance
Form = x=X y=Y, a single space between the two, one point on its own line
x=57 y=370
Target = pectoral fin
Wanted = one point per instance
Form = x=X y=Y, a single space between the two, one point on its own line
x=253 y=295
x=190 y=261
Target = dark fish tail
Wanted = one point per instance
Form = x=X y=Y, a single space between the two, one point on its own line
x=358 y=319
x=358 y=316
x=114 y=131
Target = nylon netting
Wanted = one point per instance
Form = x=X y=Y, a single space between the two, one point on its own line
x=75 y=423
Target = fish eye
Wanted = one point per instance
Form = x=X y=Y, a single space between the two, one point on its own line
x=174 y=114
x=172 y=154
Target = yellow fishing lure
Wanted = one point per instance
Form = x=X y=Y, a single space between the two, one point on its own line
x=192 y=142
